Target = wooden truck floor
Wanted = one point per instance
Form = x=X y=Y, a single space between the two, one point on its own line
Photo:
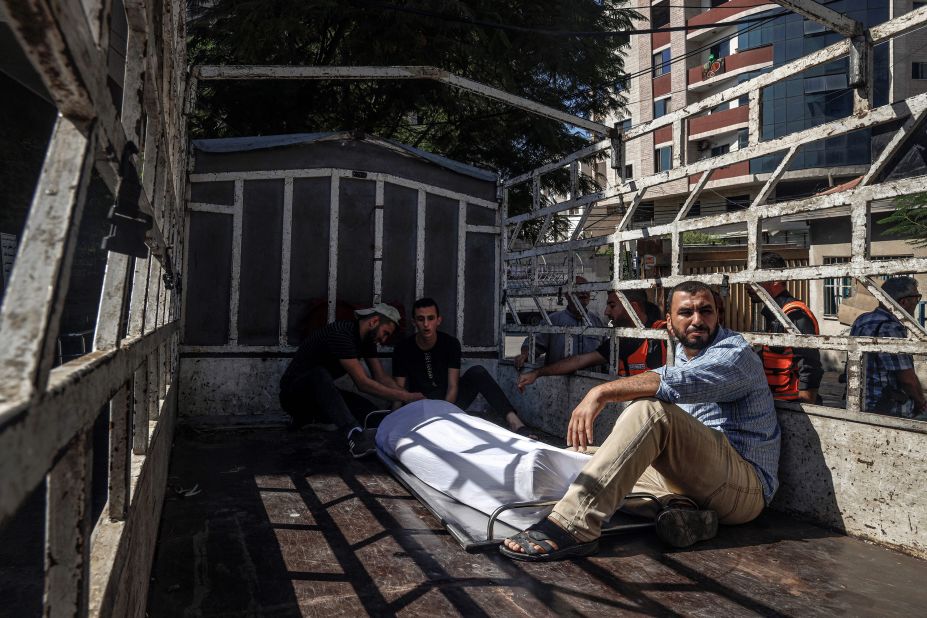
x=287 y=524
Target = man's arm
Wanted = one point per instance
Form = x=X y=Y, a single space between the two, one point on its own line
x=582 y=421
x=376 y=370
x=909 y=383
x=564 y=366
x=401 y=382
x=372 y=387
x=453 y=383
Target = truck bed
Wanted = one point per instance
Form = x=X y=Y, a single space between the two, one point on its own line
x=287 y=524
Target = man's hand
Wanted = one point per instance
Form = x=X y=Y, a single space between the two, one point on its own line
x=410 y=397
x=526 y=379
x=582 y=421
x=808 y=396
x=520 y=360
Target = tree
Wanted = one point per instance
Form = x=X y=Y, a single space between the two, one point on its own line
x=909 y=219
x=577 y=73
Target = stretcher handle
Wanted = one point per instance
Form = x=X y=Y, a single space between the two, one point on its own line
x=523 y=505
x=511 y=507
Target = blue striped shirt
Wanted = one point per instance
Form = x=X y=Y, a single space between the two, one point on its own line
x=725 y=388
x=882 y=368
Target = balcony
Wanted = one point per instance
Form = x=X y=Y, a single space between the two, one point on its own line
x=727 y=67
x=726 y=121
x=726 y=12
x=741 y=168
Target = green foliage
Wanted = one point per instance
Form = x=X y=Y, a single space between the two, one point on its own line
x=701 y=238
x=574 y=73
x=909 y=219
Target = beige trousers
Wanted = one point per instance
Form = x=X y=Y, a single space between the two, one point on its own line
x=656 y=447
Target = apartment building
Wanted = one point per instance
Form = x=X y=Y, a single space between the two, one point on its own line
x=745 y=38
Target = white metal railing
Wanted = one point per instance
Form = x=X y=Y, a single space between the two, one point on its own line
x=46 y=414
x=908 y=114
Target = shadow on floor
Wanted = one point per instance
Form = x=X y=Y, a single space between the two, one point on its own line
x=288 y=525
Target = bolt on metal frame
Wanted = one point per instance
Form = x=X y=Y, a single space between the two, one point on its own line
x=910 y=113
x=46 y=414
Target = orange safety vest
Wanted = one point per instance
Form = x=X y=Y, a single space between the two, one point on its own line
x=637 y=361
x=780 y=367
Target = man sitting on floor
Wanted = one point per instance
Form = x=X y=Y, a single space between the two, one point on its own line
x=307 y=388
x=701 y=432
x=429 y=362
x=634 y=355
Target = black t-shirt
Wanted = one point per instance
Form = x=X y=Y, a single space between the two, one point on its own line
x=426 y=371
x=326 y=347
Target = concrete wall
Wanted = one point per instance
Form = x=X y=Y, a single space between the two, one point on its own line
x=245 y=390
x=862 y=479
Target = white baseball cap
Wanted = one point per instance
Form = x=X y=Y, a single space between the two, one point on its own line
x=387 y=311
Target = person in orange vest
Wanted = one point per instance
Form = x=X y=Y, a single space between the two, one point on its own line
x=793 y=374
x=634 y=355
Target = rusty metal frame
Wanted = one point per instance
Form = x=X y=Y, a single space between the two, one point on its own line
x=46 y=413
x=909 y=113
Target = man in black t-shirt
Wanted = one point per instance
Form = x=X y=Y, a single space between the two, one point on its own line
x=307 y=388
x=429 y=362
x=634 y=355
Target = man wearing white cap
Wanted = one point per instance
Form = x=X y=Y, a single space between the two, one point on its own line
x=307 y=388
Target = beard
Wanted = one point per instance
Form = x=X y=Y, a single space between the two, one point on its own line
x=697 y=344
x=371 y=337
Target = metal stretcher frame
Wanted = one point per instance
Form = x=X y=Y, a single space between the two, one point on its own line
x=476 y=531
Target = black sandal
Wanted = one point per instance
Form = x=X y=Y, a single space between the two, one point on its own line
x=541 y=534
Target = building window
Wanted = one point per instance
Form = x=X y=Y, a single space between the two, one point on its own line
x=661 y=63
x=661 y=107
x=659 y=16
x=717 y=151
x=826 y=83
x=663 y=159
x=743 y=138
x=628 y=171
x=919 y=70
x=813 y=27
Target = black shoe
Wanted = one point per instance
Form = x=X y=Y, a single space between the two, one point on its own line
x=362 y=442
x=682 y=527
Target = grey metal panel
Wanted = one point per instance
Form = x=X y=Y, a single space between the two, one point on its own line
x=345 y=154
x=261 y=240
x=477 y=215
x=264 y=142
x=355 y=241
x=309 y=251
x=479 y=317
x=441 y=257
x=213 y=192
x=399 y=212
x=209 y=279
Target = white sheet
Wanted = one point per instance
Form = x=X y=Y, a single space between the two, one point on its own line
x=477 y=462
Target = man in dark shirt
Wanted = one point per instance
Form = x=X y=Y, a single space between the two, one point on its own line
x=429 y=362
x=634 y=355
x=793 y=374
x=307 y=388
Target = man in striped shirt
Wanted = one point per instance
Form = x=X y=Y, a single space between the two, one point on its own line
x=892 y=386
x=701 y=435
